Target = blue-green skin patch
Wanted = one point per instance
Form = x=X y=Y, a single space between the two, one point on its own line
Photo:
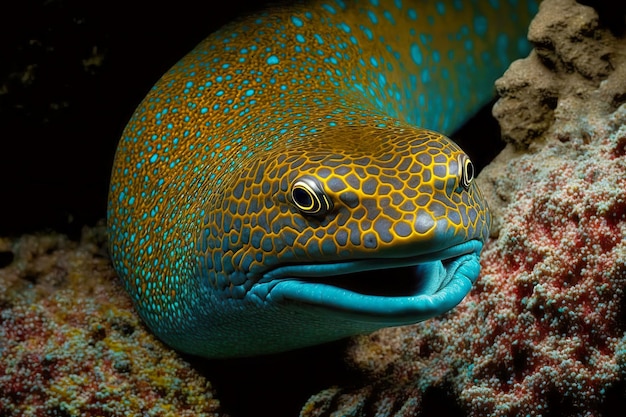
x=283 y=153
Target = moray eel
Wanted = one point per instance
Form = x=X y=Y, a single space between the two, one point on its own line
x=281 y=186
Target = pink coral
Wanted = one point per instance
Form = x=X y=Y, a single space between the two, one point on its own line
x=544 y=331
x=70 y=343
x=554 y=334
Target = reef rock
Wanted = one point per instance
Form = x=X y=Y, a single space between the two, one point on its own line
x=544 y=330
x=71 y=344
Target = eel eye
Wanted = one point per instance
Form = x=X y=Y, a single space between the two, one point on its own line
x=308 y=195
x=466 y=171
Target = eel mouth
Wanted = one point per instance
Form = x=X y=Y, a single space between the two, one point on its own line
x=390 y=291
x=401 y=281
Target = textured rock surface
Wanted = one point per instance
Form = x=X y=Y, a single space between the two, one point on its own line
x=567 y=88
x=70 y=343
x=543 y=332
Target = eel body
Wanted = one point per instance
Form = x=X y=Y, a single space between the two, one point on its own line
x=283 y=184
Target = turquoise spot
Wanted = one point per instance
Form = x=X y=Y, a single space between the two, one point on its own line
x=297 y=21
x=273 y=60
x=189 y=84
x=389 y=17
x=372 y=16
x=522 y=45
x=416 y=54
x=329 y=8
x=368 y=33
x=250 y=92
x=412 y=14
x=441 y=8
x=300 y=38
x=154 y=158
x=204 y=110
x=480 y=25
x=502 y=46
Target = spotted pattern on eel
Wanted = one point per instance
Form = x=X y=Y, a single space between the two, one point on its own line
x=281 y=186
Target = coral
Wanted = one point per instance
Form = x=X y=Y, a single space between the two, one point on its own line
x=70 y=343
x=563 y=90
x=544 y=331
x=573 y=61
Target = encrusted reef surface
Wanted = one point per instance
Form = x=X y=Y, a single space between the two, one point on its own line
x=71 y=345
x=544 y=330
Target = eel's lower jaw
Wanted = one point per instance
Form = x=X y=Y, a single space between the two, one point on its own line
x=388 y=291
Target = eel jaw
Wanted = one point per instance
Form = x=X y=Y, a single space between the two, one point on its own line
x=436 y=283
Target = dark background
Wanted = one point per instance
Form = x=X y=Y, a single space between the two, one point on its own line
x=71 y=74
